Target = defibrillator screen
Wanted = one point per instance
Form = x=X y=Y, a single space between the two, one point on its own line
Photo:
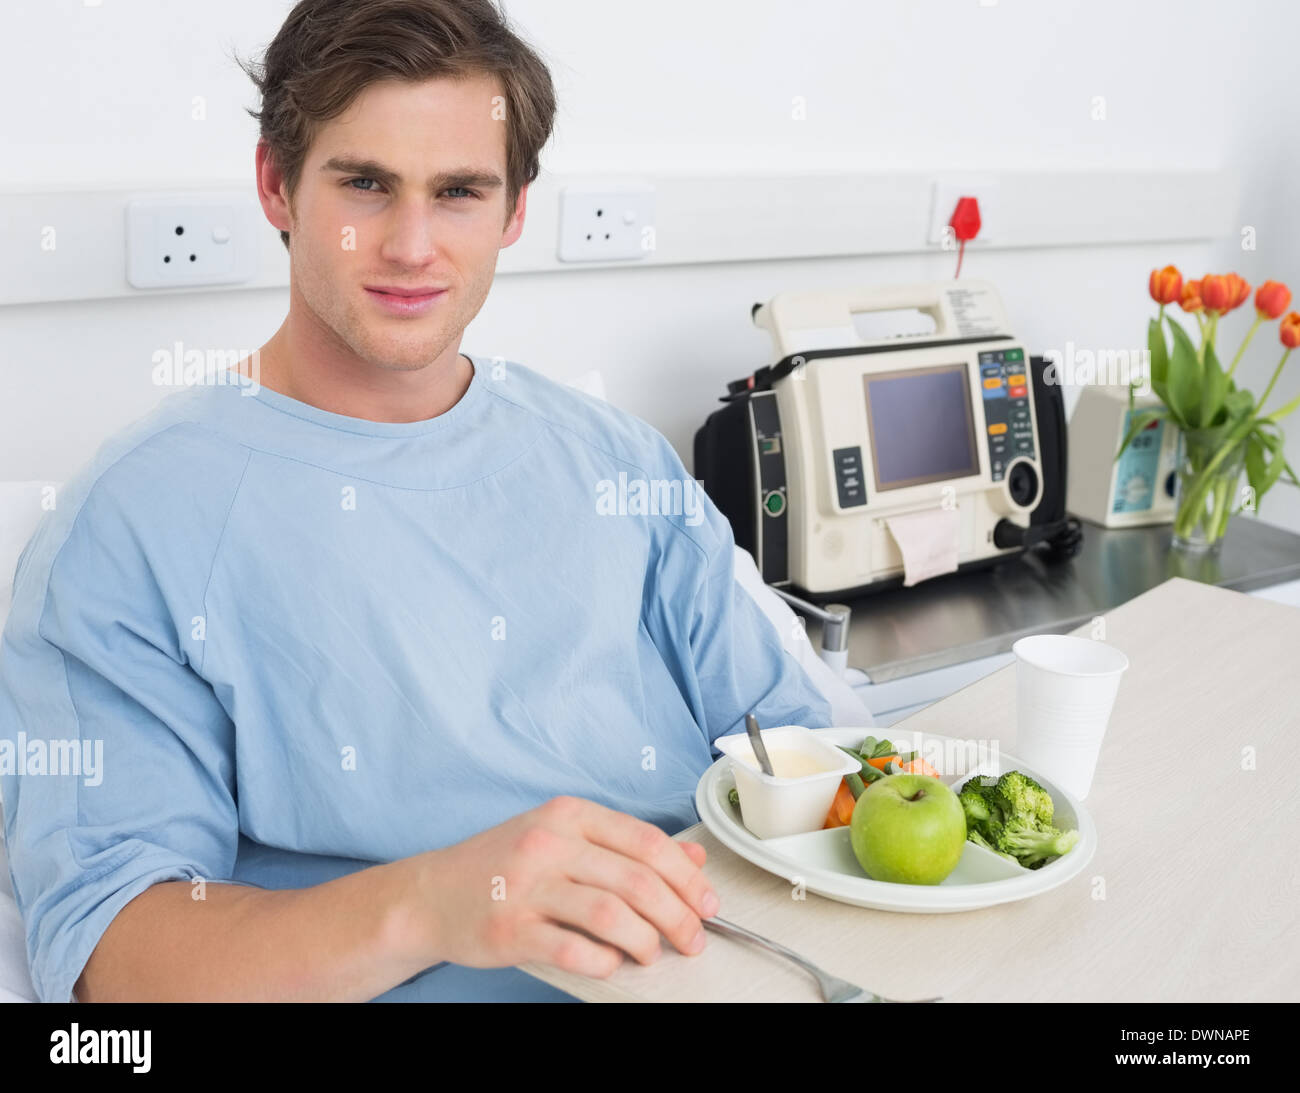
x=922 y=426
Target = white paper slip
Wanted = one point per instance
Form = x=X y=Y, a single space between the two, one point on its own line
x=928 y=542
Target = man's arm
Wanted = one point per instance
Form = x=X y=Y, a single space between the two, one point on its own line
x=727 y=656
x=334 y=942
x=518 y=892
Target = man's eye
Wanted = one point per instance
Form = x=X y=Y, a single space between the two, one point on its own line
x=467 y=192
x=352 y=180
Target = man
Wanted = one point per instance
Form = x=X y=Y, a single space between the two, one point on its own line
x=389 y=702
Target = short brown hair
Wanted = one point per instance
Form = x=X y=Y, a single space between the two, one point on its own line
x=328 y=51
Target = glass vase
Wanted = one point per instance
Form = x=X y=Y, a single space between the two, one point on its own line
x=1208 y=472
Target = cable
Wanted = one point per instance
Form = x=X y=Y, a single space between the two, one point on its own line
x=1063 y=537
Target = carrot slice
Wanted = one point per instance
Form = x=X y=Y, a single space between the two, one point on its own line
x=841 y=807
x=918 y=766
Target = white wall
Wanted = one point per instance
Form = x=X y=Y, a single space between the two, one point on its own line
x=101 y=97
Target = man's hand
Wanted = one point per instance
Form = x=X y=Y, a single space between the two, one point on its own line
x=534 y=888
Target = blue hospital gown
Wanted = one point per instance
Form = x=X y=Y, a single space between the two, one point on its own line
x=308 y=643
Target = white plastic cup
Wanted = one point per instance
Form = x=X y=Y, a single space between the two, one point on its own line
x=1065 y=691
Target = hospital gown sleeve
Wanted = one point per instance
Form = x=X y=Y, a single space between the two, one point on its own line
x=93 y=680
x=738 y=663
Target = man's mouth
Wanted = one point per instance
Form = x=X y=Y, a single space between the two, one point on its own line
x=396 y=300
x=397 y=290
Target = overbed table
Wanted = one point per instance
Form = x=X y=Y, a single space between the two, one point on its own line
x=1193 y=894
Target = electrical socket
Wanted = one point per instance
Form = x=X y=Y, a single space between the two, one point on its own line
x=186 y=239
x=946 y=195
x=606 y=221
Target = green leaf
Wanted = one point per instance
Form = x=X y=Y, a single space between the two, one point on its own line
x=1214 y=386
x=1264 y=461
x=1275 y=469
x=1183 y=387
x=1159 y=352
x=1140 y=421
x=1282 y=411
x=1239 y=404
x=1276 y=463
x=1256 y=468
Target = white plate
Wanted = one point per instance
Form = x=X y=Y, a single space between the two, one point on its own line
x=824 y=861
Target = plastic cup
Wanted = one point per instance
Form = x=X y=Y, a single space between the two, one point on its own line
x=1065 y=691
x=772 y=807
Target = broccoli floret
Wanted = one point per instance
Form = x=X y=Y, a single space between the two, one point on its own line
x=975 y=805
x=984 y=809
x=1012 y=816
x=980 y=782
x=1032 y=845
x=980 y=840
x=1025 y=798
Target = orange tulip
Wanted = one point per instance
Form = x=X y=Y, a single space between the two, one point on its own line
x=1191 y=298
x=1290 y=330
x=1271 y=299
x=1165 y=285
x=1222 y=292
x=1240 y=288
x=1214 y=292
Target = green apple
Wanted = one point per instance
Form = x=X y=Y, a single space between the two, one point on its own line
x=909 y=829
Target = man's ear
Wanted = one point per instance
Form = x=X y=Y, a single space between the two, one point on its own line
x=270 y=186
x=515 y=225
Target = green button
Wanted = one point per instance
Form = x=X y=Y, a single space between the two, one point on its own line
x=1014 y=355
x=774 y=503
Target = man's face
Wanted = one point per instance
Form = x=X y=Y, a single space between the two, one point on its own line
x=405 y=191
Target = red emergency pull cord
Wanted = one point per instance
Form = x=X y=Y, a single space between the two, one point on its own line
x=965 y=224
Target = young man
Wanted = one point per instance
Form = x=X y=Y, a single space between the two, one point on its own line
x=389 y=701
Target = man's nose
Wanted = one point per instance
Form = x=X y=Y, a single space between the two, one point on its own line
x=411 y=234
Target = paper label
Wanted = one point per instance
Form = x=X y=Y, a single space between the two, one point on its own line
x=975 y=311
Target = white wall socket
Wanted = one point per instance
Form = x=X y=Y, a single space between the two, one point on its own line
x=946 y=195
x=197 y=238
x=606 y=221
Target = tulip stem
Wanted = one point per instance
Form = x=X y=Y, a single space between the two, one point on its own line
x=1245 y=342
x=1277 y=372
x=1208 y=332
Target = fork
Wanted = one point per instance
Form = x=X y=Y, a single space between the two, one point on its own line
x=832 y=988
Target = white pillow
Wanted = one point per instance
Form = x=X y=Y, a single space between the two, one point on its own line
x=848 y=711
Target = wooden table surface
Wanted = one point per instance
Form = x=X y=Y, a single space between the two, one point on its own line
x=1193 y=894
